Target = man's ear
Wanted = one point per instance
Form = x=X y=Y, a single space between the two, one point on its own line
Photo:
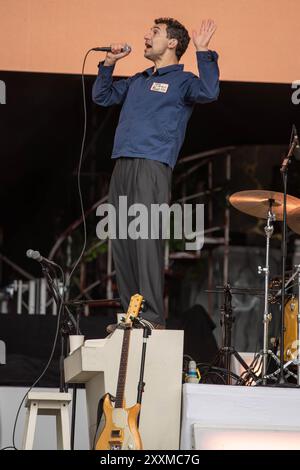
x=173 y=43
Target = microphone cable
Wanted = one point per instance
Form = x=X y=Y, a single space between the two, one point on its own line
x=79 y=169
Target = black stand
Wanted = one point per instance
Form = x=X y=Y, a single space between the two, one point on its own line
x=64 y=327
x=74 y=390
x=224 y=355
x=141 y=384
x=65 y=331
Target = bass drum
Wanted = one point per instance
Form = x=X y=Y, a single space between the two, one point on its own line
x=290 y=324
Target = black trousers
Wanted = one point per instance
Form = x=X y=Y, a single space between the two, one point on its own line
x=139 y=263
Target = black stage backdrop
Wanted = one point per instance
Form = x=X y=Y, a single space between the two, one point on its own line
x=41 y=130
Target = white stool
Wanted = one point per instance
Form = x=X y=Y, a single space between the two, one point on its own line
x=50 y=404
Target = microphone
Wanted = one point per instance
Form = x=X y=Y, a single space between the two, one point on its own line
x=294 y=150
x=126 y=48
x=297 y=147
x=36 y=255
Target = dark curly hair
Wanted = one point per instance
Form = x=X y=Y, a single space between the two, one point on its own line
x=176 y=30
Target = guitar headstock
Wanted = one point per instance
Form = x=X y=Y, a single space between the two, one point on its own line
x=134 y=309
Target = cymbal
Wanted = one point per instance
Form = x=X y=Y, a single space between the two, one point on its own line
x=257 y=203
x=255 y=291
x=293 y=220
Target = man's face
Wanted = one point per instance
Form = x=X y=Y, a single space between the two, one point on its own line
x=156 y=41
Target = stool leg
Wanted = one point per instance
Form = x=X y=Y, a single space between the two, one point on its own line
x=63 y=428
x=31 y=417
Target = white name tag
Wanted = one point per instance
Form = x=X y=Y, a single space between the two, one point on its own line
x=161 y=87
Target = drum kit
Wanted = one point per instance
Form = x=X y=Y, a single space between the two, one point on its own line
x=274 y=206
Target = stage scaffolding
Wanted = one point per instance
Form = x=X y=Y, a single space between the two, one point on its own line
x=63 y=252
x=185 y=167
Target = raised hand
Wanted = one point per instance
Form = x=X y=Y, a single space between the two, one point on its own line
x=202 y=38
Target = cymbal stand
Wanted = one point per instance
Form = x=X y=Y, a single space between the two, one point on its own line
x=266 y=270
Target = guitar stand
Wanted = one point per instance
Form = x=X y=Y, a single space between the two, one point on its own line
x=74 y=387
x=141 y=384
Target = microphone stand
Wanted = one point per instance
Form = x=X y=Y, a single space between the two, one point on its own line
x=65 y=325
x=284 y=172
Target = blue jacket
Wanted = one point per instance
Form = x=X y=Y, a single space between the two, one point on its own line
x=156 y=106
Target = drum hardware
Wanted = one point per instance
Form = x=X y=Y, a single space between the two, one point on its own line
x=284 y=172
x=290 y=322
x=264 y=204
x=272 y=206
x=291 y=348
x=269 y=229
x=291 y=335
x=252 y=372
x=291 y=278
x=225 y=353
x=275 y=374
x=298 y=327
x=293 y=220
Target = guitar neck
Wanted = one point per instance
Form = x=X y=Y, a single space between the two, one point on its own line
x=123 y=369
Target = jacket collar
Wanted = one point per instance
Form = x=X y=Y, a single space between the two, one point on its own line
x=163 y=70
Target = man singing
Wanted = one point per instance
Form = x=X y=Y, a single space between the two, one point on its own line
x=156 y=106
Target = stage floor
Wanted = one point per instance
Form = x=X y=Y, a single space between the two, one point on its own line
x=213 y=417
x=234 y=417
